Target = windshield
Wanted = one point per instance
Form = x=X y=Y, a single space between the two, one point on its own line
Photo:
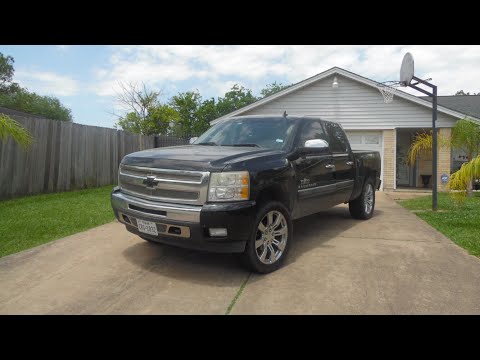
x=270 y=133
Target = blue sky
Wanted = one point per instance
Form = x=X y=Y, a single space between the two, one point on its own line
x=86 y=78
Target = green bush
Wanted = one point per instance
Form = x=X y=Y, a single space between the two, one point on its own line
x=32 y=103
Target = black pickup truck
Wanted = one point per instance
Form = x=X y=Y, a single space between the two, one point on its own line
x=238 y=187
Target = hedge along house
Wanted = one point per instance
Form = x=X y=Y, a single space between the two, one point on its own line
x=356 y=103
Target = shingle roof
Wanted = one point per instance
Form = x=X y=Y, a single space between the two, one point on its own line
x=467 y=104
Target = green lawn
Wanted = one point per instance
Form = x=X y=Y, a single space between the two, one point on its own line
x=460 y=222
x=34 y=220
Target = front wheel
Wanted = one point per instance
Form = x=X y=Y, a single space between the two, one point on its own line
x=362 y=207
x=270 y=239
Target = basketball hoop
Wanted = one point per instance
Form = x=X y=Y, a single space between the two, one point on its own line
x=388 y=89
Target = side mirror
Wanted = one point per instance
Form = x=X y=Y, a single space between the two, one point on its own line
x=316 y=144
x=192 y=140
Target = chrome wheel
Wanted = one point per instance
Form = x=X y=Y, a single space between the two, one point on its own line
x=369 y=198
x=271 y=237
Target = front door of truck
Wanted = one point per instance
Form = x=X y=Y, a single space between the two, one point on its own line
x=314 y=170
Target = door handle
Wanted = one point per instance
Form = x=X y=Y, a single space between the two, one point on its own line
x=330 y=166
x=349 y=163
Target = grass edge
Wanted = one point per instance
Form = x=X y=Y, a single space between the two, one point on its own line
x=237 y=295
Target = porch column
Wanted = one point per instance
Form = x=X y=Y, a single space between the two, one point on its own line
x=389 y=153
x=444 y=159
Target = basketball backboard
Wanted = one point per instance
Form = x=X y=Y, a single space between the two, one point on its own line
x=406 y=70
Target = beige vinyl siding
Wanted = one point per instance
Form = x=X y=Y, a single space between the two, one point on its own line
x=354 y=105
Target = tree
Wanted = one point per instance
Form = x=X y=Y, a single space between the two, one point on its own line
x=163 y=118
x=207 y=112
x=11 y=128
x=462 y=178
x=272 y=88
x=422 y=145
x=234 y=99
x=144 y=112
x=194 y=114
x=137 y=99
x=14 y=97
x=186 y=113
x=187 y=105
x=6 y=74
x=461 y=92
x=158 y=121
x=30 y=102
x=465 y=136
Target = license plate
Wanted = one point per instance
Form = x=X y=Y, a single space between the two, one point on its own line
x=147 y=227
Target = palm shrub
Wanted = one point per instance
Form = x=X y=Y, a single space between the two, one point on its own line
x=13 y=129
x=465 y=136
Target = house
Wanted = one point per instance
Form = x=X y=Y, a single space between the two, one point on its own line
x=355 y=102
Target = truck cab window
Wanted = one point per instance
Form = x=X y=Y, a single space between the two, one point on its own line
x=339 y=141
x=313 y=130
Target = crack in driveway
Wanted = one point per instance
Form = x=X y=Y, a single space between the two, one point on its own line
x=237 y=295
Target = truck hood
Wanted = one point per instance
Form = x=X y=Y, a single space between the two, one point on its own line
x=195 y=157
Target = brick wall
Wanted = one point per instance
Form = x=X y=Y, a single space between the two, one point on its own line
x=389 y=144
x=444 y=159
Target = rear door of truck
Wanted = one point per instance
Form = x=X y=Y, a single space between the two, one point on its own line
x=343 y=160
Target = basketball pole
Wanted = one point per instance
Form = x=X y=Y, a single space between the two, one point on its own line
x=434 y=150
x=434 y=135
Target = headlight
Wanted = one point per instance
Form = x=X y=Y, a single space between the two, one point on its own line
x=229 y=186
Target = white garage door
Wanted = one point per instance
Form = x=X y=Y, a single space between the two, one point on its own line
x=367 y=140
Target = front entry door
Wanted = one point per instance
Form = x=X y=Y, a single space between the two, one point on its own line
x=404 y=171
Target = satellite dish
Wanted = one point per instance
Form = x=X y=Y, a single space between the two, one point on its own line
x=406 y=70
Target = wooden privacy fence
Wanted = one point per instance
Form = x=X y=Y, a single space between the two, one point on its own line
x=65 y=156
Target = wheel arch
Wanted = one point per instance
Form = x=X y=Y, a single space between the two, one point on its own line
x=275 y=192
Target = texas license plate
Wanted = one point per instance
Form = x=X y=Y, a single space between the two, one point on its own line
x=147 y=227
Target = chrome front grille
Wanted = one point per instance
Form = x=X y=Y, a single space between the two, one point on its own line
x=176 y=186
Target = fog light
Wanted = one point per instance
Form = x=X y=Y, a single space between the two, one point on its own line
x=217 y=232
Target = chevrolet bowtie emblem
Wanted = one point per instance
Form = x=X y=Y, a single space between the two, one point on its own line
x=150 y=182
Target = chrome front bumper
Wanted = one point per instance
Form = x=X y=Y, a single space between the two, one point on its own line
x=155 y=210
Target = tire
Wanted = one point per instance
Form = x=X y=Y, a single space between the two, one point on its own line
x=364 y=205
x=258 y=256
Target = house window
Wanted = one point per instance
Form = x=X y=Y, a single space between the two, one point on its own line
x=372 y=139
x=355 y=139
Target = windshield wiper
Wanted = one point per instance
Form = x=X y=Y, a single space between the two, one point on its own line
x=249 y=145
x=210 y=143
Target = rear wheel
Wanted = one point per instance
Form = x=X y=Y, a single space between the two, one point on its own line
x=362 y=207
x=270 y=239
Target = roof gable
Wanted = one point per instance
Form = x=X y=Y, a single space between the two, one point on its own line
x=350 y=75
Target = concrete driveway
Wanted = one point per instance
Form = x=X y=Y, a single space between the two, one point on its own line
x=393 y=263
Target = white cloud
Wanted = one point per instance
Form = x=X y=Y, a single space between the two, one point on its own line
x=63 y=47
x=217 y=67
x=47 y=83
